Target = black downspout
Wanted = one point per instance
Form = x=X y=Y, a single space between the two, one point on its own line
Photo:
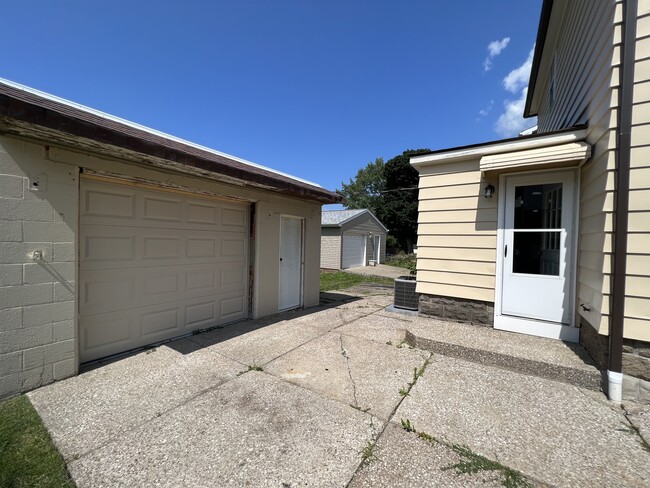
x=623 y=144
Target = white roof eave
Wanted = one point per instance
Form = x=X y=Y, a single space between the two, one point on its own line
x=454 y=155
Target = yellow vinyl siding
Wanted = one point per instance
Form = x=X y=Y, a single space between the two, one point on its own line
x=472 y=216
x=460 y=203
x=467 y=280
x=637 y=287
x=454 y=191
x=587 y=55
x=453 y=241
x=457 y=253
x=456 y=233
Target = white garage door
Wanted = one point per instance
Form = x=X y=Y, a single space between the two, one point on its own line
x=155 y=265
x=353 y=251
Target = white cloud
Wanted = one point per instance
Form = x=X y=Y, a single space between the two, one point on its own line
x=518 y=77
x=494 y=49
x=486 y=110
x=511 y=122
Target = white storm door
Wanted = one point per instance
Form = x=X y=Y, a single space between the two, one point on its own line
x=538 y=247
x=290 y=292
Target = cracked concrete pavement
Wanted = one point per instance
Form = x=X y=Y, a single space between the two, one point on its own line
x=328 y=406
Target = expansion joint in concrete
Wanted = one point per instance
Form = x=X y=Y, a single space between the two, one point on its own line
x=376 y=436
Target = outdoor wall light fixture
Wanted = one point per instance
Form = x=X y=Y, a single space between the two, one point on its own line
x=489 y=191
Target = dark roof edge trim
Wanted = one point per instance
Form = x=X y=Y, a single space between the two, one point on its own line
x=542 y=30
x=32 y=109
x=511 y=139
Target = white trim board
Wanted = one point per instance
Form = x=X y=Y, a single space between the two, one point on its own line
x=537 y=328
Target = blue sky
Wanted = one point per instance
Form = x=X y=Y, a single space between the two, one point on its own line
x=313 y=88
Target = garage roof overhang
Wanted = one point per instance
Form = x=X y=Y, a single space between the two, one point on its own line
x=41 y=117
x=538 y=151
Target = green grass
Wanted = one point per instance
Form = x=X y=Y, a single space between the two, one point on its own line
x=27 y=456
x=403 y=260
x=339 y=280
x=473 y=463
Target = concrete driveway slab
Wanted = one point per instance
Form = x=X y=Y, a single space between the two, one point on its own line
x=331 y=318
x=551 y=431
x=377 y=328
x=260 y=345
x=185 y=414
x=88 y=410
x=253 y=431
x=354 y=371
x=403 y=460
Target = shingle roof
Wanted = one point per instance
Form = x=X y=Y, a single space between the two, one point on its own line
x=337 y=217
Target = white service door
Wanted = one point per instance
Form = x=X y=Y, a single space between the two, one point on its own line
x=155 y=265
x=290 y=290
x=377 y=249
x=354 y=250
x=538 y=247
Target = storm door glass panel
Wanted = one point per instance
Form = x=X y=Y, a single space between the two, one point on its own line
x=537 y=229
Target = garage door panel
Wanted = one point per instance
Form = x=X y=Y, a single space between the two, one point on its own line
x=99 y=201
x=201 y=315
x=233 y=219
x=110 y=289
x=154 y=323
x=198 y=247
x=123 y=247
x=198 y=278
x=120 y=330
x=232 y=308
x=232 y=277
x=353 y=250
x=162 y=209
x=154 y=266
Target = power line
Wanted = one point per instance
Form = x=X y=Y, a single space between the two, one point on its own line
x=399 y=189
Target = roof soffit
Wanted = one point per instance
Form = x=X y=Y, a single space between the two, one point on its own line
x=542 y=69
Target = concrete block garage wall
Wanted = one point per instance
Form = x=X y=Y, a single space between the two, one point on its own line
x=38 y=211
x=330 y=244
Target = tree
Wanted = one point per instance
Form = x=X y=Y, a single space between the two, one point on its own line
x=399 y=199
x=390 y=191
x=365 y=190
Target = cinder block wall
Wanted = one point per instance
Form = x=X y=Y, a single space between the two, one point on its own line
x=37 y=298
x=330 y=248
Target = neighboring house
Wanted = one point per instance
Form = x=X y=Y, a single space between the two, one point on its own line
x=351 y=238
x=114 y=236
x=562 y=249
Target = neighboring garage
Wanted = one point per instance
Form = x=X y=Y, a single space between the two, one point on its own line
x=351 y=238
x=115 y=236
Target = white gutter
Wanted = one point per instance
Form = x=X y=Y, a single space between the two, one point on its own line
x=155 y=132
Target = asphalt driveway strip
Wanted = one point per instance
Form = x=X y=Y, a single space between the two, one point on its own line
x=331 y=397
